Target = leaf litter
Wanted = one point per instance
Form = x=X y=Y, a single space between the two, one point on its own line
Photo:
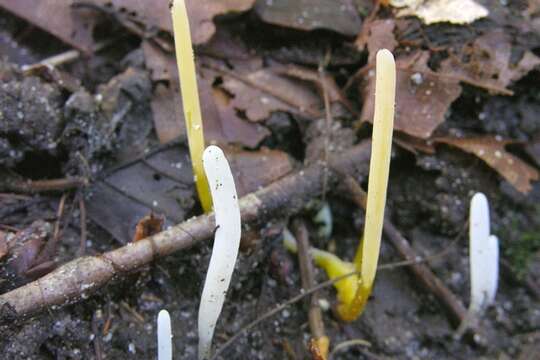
x=492 y=151
x=253 y=86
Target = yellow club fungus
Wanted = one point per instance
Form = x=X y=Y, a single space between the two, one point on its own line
x=353 y=291
x=190 y=98
x=367 y=255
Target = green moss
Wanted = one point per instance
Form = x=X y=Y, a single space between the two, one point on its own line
x=520 y=251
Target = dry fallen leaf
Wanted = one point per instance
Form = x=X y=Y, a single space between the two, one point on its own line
x=491 y=150
x=413 y=144
x=166 y=110
x=337 y=15
x=435 y=11
x=422 y=97
x=380 y=36
x=221 y=122
x=163 y=182
x=148 y=226
x=27 y=255
x=306 y=74
x=255 y=169
x=222 y=125
x=156 y=14
x=261 y=92
x=74 y=26
x=488 y=63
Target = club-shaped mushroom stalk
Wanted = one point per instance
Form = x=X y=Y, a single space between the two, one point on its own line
x=190 y=98
x=367 y=255
x=226 y=244
x=483 y=256
x=164 y=336
x=354 y=291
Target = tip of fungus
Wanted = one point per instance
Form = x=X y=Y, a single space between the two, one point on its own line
x=386 y=55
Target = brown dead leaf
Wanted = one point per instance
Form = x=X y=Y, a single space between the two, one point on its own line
x=165 y=110
x=253 y=170
x=220 y=120
x=413 y=144
x=73 y=26
x=163 y=182
x=25 y=259
x=223 y=125
x=380 y=36
x=261 y=92
x=338 y=15
x=488 y=63
x=303 y=73
x=422 y=97
x=156 y=14
x=148 y=226
x=492 y=152
x=232 y=48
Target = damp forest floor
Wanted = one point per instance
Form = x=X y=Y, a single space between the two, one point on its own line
x=93 y=145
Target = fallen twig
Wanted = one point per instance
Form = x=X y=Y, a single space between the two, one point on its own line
x=76 y=279
x=64 y=57
x=37 y=186
x=307 y=274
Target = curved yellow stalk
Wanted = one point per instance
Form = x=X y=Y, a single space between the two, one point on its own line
x=190 y=98
x=334 y=267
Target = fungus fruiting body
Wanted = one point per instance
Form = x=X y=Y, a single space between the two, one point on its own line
x=226 y=244
x=367 y=255
x=483 y=256
x=164 y=336
x=190 y=98
x=353 y=291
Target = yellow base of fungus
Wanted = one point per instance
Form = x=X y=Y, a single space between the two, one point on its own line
x=354 y=291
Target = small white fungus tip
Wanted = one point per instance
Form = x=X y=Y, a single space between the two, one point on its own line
x=164 y=335
x=484 y=256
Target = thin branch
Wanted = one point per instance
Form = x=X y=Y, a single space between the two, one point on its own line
x=37 y=186
x=64 y=57
x=77 y=279
x=328 y=123
x=307 y=274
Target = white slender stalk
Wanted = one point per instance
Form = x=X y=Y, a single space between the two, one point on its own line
x=493 y=268
x=164 y=336
x=226 y=244
x=484 y=256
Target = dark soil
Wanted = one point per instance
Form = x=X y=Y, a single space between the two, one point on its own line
x=49 y=131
